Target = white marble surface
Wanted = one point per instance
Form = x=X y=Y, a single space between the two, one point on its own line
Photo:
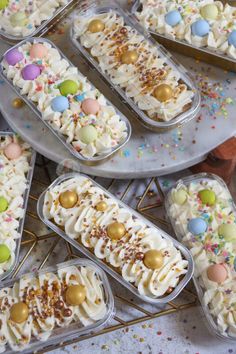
x=147 y=154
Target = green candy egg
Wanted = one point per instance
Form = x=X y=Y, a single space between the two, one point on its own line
x=88 y=134
x=68 y=87
x=209 y=12
x=207 y=196
x=180 y=196
x=18 y=19
x=3 y=4
x=3 y=204
x=4 y=253
x=228 y=231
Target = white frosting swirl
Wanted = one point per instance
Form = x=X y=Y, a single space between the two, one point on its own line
x=139 y=79
x=88 y=226
x=209 y=248
x=45 y=298
x=152 y=16
x=111 y=129
x=36 y=12
x=13 y=183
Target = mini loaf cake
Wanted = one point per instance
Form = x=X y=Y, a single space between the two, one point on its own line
x=114 y=235
x=201 y=23
x=134 y=64
x=65 y=98
x=38 y=305
x=20 y=18
x=203 y=214
x=14 y=166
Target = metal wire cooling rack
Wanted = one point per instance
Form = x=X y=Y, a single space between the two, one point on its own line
x=40 y=246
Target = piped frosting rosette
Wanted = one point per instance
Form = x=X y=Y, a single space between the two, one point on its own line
x=37 y=305
x=22 y=17
x=202 y=23
x=203 y=214
x=138 y=252
x=14 y=167
x=134 y=64
x=65 y=98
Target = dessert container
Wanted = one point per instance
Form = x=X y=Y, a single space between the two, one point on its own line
x=73 y=330
x=100 y=7
x=183 y=47
x=24 y=207
x=62 y=10
x=94 y=160
x=186 y=255
x=199 y=280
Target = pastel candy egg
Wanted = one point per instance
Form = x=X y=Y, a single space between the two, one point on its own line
x=172 y=18
x=13 y=151
x=217 y=273
x=197 y=226
x=38 y=51
x=228 y=231
x=180 y=196
x=207 y=197
x=18 y=19
x=200 y=28
x=13 y=56
x=3 y=4
x=3 y=204
x=4 y=253
x=90 y=106
x=232 y=38
x=30 y=72
x=68 y=87
x=209 y=12
x=88 y=134
x=60 y=104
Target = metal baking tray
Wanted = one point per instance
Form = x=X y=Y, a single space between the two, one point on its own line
x=73 y=330
x=24 y=207
x=211 y=323
x=97 y=7
x=203 y=54
x=184 y=252
x=45 y=25
x=89 y=161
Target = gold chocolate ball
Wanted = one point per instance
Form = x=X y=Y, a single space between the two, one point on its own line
x=163 y=92
x=96 y=26
x=19 y=312
x=153 y=259
x=75 y=295
x=17 y=103
x=68 y=199
x=129 y=57
x=101 y=206
x=116 y=230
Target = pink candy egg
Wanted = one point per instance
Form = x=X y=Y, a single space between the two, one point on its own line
x=38 y=51
x=217 y=273
x=90 y=106
x=12 y=151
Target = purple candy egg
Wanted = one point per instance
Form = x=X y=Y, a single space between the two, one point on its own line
x=31 y=72
x=13 y=57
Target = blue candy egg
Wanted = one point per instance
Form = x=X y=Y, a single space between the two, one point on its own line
x=60 y=104
x=200 y=28
x=232 y=38
x=172 y=18
x=197 y=226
